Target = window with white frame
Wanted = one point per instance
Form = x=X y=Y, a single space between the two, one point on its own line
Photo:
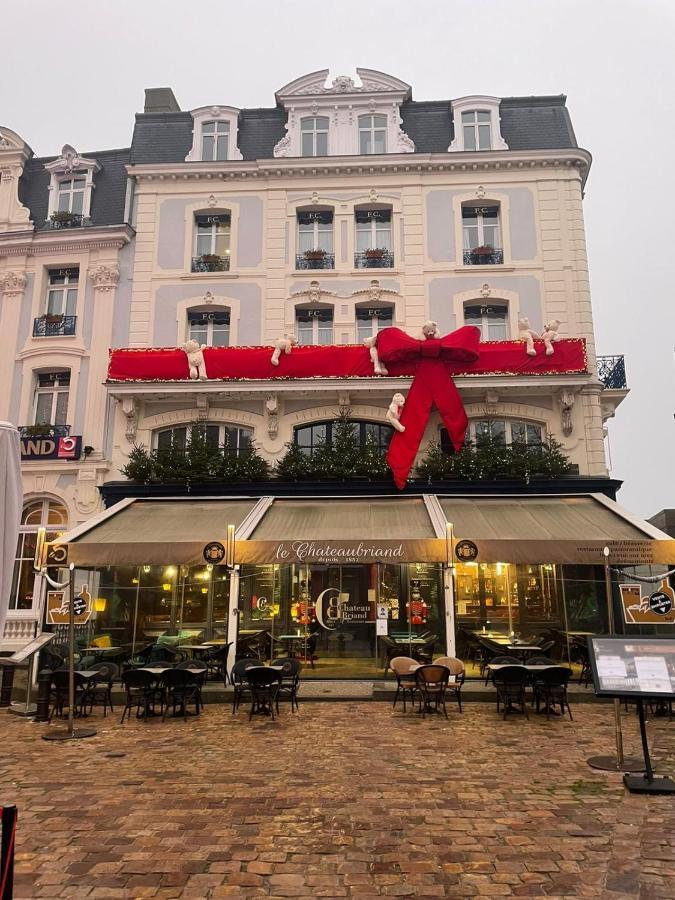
x=491 y=318
x=209 y=326
x=51 y=397
x=212 y=235
x=371 y=319
x=372 y=134
x=373 y=229
x=480 y=227
x=502 y=431
x=62 y=286
x=314 y=326
x=315 y=230
x=215 y=141
x=314 y=136
x=37 y=514
x=237 y=440
x=476 y=125
x=309 y=438
x=71 y=194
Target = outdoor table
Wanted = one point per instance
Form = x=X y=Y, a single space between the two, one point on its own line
x=87 y=673
x=195 y=648
x=156 y=670
x=495 y=667
x=97 y=649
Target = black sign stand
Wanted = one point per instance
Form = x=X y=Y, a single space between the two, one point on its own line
x=647 y=783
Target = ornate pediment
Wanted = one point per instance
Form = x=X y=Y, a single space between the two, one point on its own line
x=370 y=81
x=71 y=161
x=313 y=294
x=374 y=293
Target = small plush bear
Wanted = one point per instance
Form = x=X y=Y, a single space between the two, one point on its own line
x=371 y=344
x=394 y=411
x=193 y=351
x=283 y=345
x=526 y=334
x=430 y=330
x=550 y=335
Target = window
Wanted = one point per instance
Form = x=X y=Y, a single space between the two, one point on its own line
x=309 y=437
x=38 y=513
x=62 y=292
x=51 y=398
x=370 y=320
x=481 y=235
x=314 y=136
x=492 y=320
x=212 y=243
x=237 y=440
x=314 y=326
x=500 y=430
x=215 y=138
x=372 y=134
x=315 y=240
x=476 y=128
x=71 y=193
x=210 y=327
x=373 y=239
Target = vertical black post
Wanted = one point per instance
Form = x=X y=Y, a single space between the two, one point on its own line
x=44 y=687
x=7 y=685
x=7 y=852
x=649 y=772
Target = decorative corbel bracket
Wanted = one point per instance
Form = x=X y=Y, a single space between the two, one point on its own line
x=491 y=401
x=272 y=413
x=12 y=284
x=202 y=405
x=566 y=399
x=104 y=277
x=129 y=406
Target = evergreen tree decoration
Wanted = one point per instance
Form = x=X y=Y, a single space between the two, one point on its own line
x=345 y=445
x=371 y=461
x=294 y=465
x=140 y=467
x=435 y=464
x=551 y=459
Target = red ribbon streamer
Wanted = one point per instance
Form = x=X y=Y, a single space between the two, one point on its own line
x=432 y=385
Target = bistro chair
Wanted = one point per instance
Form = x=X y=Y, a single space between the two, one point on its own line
x=264 y=686
x=290 y=680
x=239 y=683
x=540 y=661
x=546 y=647
x=98 y=689
x=181 y=687
x=496 y=661
x=198 y=668
x=550 y=687
x=391 y=650
x=141 y=658
x=432 y=683
x=456 y=668
x=510 y=683
x=142 y=693
x=216 y=662
x=60 y=692
x=586 y=674
x=425 y=653
x=404 y=668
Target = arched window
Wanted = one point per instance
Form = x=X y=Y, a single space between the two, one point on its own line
x=215 y=138
x=209 y=325
x=491 y=318
x=236 y=439
x=503 y=431
x=481 y=235
x=47 y=514
x=314 y=325
x=314 y=136
x=372 y=134
x=212 y=242
x=310 y=437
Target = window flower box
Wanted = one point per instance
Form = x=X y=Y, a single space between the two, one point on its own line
x=375 y=253
x=315 y=254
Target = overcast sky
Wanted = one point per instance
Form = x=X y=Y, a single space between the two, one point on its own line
x=77 y=74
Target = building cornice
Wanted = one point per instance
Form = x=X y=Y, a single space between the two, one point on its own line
x=62 y=240
x=390 y=163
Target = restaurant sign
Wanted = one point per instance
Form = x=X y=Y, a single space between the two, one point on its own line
x=621 y=553
x=36 y=448
x=58 y=607
x=341 y=552
x=657 y=608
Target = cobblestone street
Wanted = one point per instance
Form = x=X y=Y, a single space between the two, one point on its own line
x=339 y=800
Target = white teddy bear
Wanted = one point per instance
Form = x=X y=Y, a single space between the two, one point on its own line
x=371 y=344
x=430 y=330
x=195 y=357
x=550 y=335
x=526 y=334
x=394 y=412
x=283 y=345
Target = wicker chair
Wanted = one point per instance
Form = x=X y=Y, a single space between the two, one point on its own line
x=550 y=687
x=432 y=683
x=456 y=668
x=404 y=668
x=511 y=682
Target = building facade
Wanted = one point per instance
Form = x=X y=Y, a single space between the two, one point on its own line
x=345 y=208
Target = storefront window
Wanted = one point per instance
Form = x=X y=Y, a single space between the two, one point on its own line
x=38 y=513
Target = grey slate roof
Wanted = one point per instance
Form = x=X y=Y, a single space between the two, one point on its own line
x=107 y=199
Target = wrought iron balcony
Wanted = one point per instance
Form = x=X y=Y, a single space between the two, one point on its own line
x=374 y=259
x=317 y=261
x=210 y=262
x=66 y=220
x=44 y=430
x=51 y=326
x=612 y=371
x=484 y=256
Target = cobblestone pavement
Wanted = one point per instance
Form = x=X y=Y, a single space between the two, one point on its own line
x=338 y=800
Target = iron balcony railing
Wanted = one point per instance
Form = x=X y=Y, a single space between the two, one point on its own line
x=211 y=263
x=51 y=326
x=612 y=371
x=327 y=261
x=370 y=260
x=44 y=430
x=493 y=256
x=74 y=220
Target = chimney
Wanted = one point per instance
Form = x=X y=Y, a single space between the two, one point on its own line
x=159 y=100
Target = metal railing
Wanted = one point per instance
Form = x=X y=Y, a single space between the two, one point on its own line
x=27 y=431
x=369 y=260
x=50 y=326
x=73 y=221
x=327 y=261
x=495 y=257
x=211 y=263
x=612 y=371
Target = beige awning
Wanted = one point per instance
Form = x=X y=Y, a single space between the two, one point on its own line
x=157 y=532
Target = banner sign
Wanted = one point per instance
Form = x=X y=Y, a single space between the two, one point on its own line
x=621 y=553
x=58 y=607
x=656 y=608
x=35 y=448
x=341 y=552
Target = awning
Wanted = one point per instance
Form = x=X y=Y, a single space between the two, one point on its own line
x=156 y=532
x=551 y=529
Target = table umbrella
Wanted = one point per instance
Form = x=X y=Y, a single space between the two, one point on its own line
x=11 y=499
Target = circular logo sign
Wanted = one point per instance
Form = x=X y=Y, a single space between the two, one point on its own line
x=214 y=552
x=660 y=603
x=79 y=606
x=466 y=551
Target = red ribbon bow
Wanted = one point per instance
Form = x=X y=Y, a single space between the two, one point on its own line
x=431 y=385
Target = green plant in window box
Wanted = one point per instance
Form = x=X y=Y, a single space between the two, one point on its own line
x=63 y=217
x=40 y=430
x=213 y=262
x=376 y=253
x=53 y=318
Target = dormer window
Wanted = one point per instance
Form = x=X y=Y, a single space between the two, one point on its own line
x=314 y=131
x=70 y=188
x=215 y=138
x=476 y=128
x=476 y=124
x=372 y=134
x=71 y=193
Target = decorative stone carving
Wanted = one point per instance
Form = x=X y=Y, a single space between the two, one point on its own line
x=105 y=277
x=374 y=293
x=486 y=290
x=405 y=143
x=129 y=406
x=4 y=143
x=283 y=147
x=315 y=197
x=313 y=294
x=272 y=412
x=208 y=298
x=202 y=405
x=344 y=399
x=373 y=195
x=343 y=83
x=12 y=283
x=480 y=192
x=491 y=401
x=566 y=399
x=212 y=201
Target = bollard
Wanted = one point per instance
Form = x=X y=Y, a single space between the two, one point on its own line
x=8 y=818
x=7 y=685
x=44 y=688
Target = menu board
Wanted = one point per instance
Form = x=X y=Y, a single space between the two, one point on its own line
x=638 y=666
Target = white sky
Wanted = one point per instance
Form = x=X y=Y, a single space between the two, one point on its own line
x=77 y=75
